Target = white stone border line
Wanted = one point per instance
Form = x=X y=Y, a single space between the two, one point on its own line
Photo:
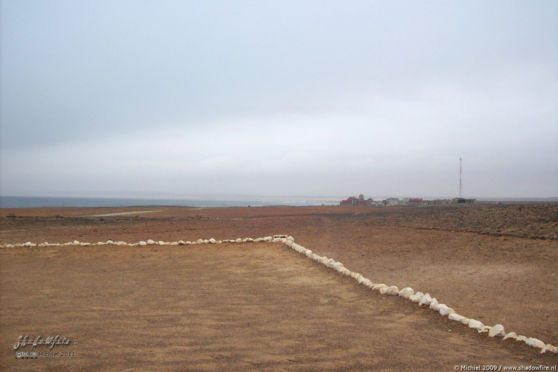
x=420 y=298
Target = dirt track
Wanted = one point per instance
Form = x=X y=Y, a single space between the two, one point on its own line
x=482 y=274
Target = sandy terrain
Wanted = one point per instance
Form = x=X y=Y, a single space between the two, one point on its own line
x=262 y=306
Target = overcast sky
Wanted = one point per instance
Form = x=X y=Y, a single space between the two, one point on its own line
x=282 y=97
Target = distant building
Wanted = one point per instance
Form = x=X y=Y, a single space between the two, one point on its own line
x=360 y=201
x=392 y=201
x=462 y=201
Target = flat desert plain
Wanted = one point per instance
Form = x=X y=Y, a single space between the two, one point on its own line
x=262 y=306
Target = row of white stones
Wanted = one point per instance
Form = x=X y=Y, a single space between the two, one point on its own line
x=422 y=299
x=140 y=243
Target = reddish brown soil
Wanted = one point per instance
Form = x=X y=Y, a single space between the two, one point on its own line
x=262 y=306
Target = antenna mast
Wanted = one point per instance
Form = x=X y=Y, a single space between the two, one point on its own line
x=460 y=176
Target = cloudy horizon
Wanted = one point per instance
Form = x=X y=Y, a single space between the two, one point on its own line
x=279 y=98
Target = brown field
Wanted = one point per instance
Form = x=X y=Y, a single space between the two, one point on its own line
x=263 y=306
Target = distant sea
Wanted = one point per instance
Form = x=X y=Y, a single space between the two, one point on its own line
x=35 y=202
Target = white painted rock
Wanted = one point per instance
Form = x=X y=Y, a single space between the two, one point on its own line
x=425 y=300
x=535 y=342
x=497 y=330
x=379 y=286
x=393 y=290
x=434 y=304
x=367 y=282
x=512 y=335
x=456 y=317
x=549 y=347
x=142 y=242
x=150 y=241
x=406 y=292
x=212 y=241
x=445 y=310
x=417 y=296
x=475 y=324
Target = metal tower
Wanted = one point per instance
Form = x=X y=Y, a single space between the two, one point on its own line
x=460 y=176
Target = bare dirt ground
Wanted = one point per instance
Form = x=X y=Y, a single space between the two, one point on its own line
x=262 y=306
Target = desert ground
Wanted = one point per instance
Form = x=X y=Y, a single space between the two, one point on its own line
x=261 y=306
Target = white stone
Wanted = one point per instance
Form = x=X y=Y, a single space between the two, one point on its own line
x=455 y=317
x=511 y=335
x=433 y=303
x=549 y=347
x=535 y=342
x=425 y=300
x=445 y=310
x=366 y=282
x=417 y=296
x=496 y=330
x=406 y=292
x=475 y=324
